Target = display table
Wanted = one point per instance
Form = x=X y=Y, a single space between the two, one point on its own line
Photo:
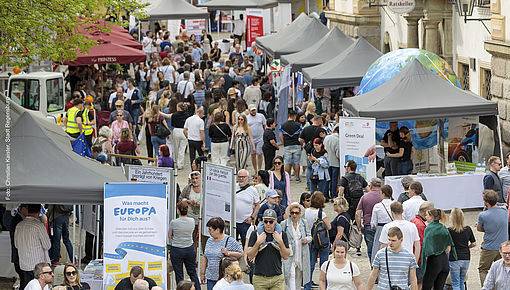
x=225 y=46
x=93 y=274
x=7 y=269
x=446 y=191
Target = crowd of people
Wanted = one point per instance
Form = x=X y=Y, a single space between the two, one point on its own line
x=190 y=96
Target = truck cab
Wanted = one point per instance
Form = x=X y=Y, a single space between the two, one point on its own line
x=39 y=91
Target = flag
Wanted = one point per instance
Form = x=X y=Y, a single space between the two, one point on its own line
x=81 y=147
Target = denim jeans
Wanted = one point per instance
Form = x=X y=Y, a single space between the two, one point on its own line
x=333 y=183
x=210 y=284
x=60 y=230
x=390 y=166
x=135 y=113
x=186 y=257
x=369 y=234
x=241 y=230
x=308 y=173
x=321 y=186
x=458 y=271
x=405 y=167
x=323 y=257
x=156 y=142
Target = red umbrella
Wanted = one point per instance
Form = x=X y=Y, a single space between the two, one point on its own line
x=108 y=52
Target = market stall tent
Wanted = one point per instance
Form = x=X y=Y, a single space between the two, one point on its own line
x=299 y=40
x=264 y=43
x=346 y=69
x=328 y=47
x=238 y=4
x=43 y=168
x=174 y=10
x=417 y=93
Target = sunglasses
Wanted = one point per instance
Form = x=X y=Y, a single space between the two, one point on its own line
x=277 y=163
x=308 y=200
x=120 y=115
x=294 y=212
x=269 y=222
x=72 y=273
x=49 y=272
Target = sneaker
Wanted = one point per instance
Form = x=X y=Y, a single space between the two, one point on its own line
x=315 y=285
x=298 y=180
x=307 y=188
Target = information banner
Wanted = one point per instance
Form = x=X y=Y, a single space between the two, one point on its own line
x=218 y=198
x=357 y=142
x=135 y=222
x=195 y=26
x=255 y=25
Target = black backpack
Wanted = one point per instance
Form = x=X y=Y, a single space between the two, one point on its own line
x=320 y=234
x=354 y=185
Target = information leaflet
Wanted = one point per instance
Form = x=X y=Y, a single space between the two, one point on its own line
x=357 y=142
x=218 y=195
x=135 y=222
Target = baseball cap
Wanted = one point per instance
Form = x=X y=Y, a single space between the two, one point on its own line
x=232 y=91
x=272 y=193
x=252 y=107
x=119 y=102
x=269 y=214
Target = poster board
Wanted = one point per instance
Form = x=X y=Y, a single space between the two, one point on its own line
x=357 y=142
x=218 y=196
x=254 y=25
x=195 y=26
x=135 y=216
x=462 y=139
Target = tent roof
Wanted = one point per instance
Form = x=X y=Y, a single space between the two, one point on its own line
x=43 y=166
x=174 y=9
x=272 y=40
x=108 y=52
x=346 y=69
x=238 y=4
x=331 y=45
x=299 y=40
x=417 y=93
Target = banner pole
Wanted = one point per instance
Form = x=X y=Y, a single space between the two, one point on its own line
x=233 y=227
x=74 y=235
x=98 y=232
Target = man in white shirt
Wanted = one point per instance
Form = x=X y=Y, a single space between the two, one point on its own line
x=409 y=230
x=239 y=28
x=253 y=94
x=247 y=204
x=412 y=205
x=185 y=87
x=257 y=123
x=147 y=44
x=43 y=277
x=504 y=175
x=194 y=132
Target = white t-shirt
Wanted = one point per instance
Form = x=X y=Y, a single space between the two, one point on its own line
x=194 y=125
x=147 y=44
x=245 y=202
x=185 y=87
x=34 y=285
x=238 y=27
x=256 y=124
x=409 y=232
x=412 y=207
x=340 y=279
x=220 y=284
x=311 y=215
x=168 y=72
x=261 y=188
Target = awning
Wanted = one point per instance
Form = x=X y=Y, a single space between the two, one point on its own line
x=174 y=9
x=108 y=52
x=238 y=4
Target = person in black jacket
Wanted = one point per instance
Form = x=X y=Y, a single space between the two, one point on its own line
x=269 y=147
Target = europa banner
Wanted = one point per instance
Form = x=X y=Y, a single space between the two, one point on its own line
x=255 y=25
x=357 y=142
x=135 y=222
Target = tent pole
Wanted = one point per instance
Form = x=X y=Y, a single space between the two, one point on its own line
x=500 y=141
x=98 y=213
x=80 y=238
x=74 y=235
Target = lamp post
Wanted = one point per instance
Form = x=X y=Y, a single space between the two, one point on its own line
x=465 y=9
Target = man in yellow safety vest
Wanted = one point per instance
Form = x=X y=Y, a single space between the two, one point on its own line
x=87 y=121
x=74 y=129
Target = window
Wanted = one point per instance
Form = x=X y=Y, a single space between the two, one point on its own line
x=54 y=91
x=33 y=95
x=485 y=88
x=464 y=76
x=17 y=92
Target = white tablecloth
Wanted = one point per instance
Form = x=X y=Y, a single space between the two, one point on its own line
x=225 y=46
x=447 y=192
x=7 y=268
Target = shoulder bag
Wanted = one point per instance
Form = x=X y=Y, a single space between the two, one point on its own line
x=388 y=270
x=161 y=130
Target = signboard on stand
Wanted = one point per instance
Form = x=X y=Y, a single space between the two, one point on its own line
x=195 y=26
x=135 y=222
x=357 y=143
x=218 y=195
x=255 y=25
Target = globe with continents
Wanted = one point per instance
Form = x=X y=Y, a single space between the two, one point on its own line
x=390 y=64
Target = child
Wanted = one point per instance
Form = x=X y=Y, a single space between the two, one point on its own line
x=272 y=203
x=262 y=185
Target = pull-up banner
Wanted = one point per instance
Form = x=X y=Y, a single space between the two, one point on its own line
x=135 y=223
x=255 y=25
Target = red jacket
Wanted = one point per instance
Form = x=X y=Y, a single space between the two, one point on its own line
x=420 y=225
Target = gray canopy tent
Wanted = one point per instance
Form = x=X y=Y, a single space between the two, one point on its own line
x=328 y=47
x=238 y=4
x=299 y=40
x=174 y=9
x=271 y=40
x=346 y=69
x=416 y=93
x=43 y=166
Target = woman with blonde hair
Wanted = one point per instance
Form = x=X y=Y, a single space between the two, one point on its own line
x=234 y=275
x=463 y=239
x=241 y=141
x=223 y=109
x=310 y=112
x=340 y=273
x=340 y=225
x=72 y=278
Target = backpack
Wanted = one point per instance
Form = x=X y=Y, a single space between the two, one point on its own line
x=354 y=237
x=354 y=185
x=320 y=234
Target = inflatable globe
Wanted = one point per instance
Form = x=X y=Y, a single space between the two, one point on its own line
x=390 y=64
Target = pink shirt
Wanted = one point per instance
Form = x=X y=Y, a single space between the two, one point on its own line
x=116 y=128
x=366 y=204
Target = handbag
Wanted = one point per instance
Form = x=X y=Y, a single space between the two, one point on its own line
x=388 y=270
x=162 y=131
x=132 y=161
x=308 y=147
x=242 y=263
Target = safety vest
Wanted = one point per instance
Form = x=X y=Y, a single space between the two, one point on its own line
x=72 y=126
x=85 y=117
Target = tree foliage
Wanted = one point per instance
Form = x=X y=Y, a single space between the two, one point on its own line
x=32 y=30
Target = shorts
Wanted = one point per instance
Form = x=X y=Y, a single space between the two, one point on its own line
x=258 y=146
x=292 y=154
